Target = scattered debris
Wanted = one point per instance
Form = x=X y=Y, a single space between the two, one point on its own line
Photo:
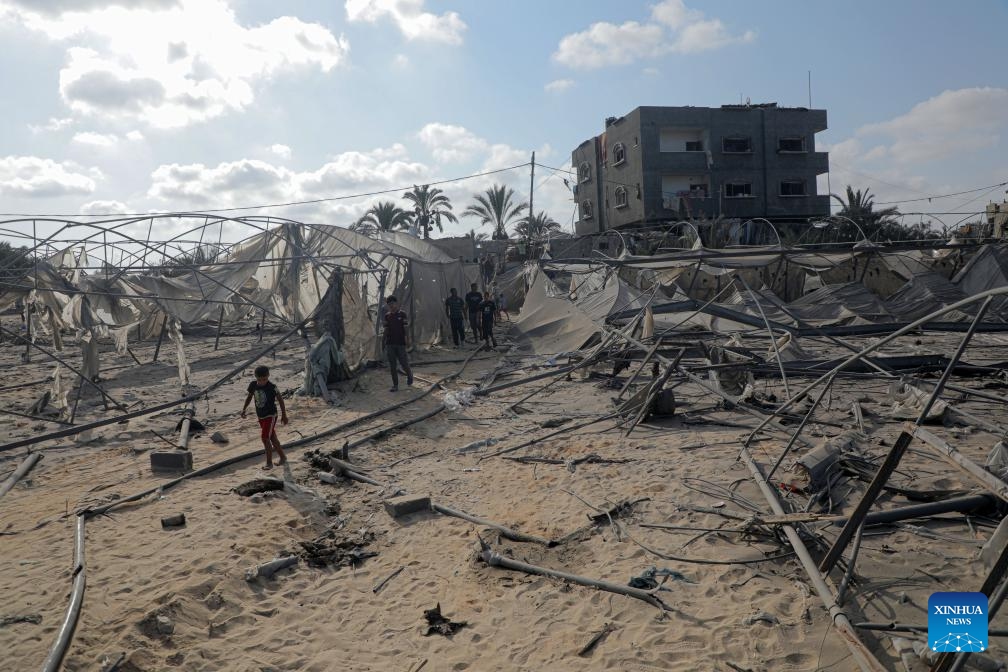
x=268 y=569
x=381 y=584
x=762 y=616
x=178 y=520
x=334 y=548
x=596 y=640
x=437 y=624
x=218 y=437
x=648 y=578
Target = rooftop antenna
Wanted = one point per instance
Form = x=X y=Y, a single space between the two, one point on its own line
x=810 y=89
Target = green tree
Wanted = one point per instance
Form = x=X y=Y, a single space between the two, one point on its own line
x=14 y=262
x=477 y=236
x=430 y=207
x=382 y=216
x=537 y=228
x=860 y=207
x=496 y=206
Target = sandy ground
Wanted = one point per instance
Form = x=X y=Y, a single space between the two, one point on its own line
x=309 y=618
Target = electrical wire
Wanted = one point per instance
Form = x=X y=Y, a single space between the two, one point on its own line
x=278 y=205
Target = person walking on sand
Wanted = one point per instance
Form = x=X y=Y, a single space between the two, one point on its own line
x=488 y=309
x=396 y=341
x=473 y=300
x=502 y=307
x=455 y=309
x=267 y=398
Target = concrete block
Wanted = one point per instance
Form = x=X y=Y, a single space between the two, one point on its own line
x=218 y=437
x=406 y=504
x=171 y=460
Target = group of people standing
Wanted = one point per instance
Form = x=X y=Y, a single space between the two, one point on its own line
x=481 y=308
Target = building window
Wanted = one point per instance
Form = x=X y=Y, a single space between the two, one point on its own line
x=698 y=191
x=618 y=153
x=694 y=145
x=621 y=197
x=736 y=145
x=791 y=144
x=635 y=141
x=584 y=172
x=792 y=188
x=738 y=190
x=586 y=210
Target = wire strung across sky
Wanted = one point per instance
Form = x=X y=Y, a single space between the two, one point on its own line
x=313 y=201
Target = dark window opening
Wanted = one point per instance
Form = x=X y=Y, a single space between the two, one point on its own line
x=694 y=145
x=621 y=197
x=736 y=145
x=635 y=141
x=698 y=191
x=586 y=210
x=618 y=153
x=792 y=188
x=794 y=144
x=738 y=190
x=584 y=172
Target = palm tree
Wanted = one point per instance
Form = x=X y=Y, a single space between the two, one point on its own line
x=860 y=207
x=496 y=206
x=382 y=216
x=430 y=206
x=537 y=228
x=477 y=236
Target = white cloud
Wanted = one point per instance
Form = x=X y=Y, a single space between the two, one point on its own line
x=411 y=19
x=54 y=124
x=169 y=64
x=248 y=182
x=451 y=144
x=945 y=126
x=104 y=208
x=96 y=139
x=32 y=176
x=135 y=136
x=674 y=29
x=909 y=155
x=283 y=151
x=559 y=85
x=401 y=61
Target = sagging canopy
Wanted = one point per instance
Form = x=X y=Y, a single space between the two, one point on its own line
x=283 y=272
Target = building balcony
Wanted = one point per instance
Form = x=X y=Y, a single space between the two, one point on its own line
x=677 y=162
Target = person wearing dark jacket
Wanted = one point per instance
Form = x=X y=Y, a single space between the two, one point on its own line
x=473 y=300
x=396 y=339
x=455 y=309
x=488 y=310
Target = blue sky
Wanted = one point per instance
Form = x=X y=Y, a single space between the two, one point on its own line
x=178 y=104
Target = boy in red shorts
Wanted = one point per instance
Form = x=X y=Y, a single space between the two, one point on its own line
x=267 y=397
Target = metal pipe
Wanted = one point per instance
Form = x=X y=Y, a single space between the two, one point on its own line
x=65 y=634
x=23 y=468
x=773 y=340
x=865 y=659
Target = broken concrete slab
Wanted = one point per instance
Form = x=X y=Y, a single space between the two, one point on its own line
x=171 y=461
x=406 y=504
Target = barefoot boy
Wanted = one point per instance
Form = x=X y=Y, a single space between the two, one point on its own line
x=267 y=396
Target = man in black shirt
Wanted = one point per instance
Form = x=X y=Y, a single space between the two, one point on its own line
x=488 y=309
x=473 y=300
x=454 y=308
x=396 y=340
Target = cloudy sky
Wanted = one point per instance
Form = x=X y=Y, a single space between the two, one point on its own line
x=164 y=105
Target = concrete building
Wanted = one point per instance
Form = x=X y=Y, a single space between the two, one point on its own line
x=665 y=164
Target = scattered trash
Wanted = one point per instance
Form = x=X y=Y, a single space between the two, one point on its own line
x=20 y=618
x=476 y=445
x=268 y=569
x=165 y=625
x=648 y=578
x=337 y=548
x=439 y=625
x=594 y=641
x=456 y=399
x=218 y=437
x=177 y=520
